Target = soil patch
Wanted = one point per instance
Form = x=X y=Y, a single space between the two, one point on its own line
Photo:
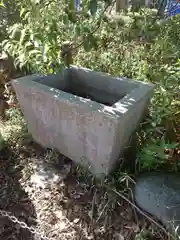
x=74 y=207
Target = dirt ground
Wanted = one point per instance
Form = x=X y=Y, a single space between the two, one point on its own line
x=46 y=191
x=61 y=201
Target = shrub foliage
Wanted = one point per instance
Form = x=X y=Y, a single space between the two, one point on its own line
x=134 y=44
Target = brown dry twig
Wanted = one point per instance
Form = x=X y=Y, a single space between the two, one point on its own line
x=144 y=214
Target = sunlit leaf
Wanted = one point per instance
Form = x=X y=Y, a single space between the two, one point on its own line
x=71 y=15
x=35 y=52
x=87 y=45
x=2 y=3
x=93 y=41
x=71 y=5
x=36 y=1
x=23 y=35
x=93 y=6
x=65 y=19
x=23 y=10
x=15 y=31
x=78 y=30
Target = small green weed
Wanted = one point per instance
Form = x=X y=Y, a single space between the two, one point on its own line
x=14 y=129
x=153 y=155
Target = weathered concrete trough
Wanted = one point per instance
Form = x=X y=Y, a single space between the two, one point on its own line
x=87 y=116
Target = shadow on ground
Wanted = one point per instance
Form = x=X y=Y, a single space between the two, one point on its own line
x=70 y=205
x=46 y=190
x=14 y=199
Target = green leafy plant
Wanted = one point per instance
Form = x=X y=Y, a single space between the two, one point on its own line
x=2 y=3
x=1 y=142
x=36 y=40
x=136 y=45
x=154 y=155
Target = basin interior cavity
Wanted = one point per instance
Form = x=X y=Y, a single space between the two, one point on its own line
x=94 y=86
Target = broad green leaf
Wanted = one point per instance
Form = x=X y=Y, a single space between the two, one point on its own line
x=1 y=142
x=28 y=44
x=93 y=41
x=16 y=28
x=23 y=35
x=90 y=42
x=34 y=52
x=22 y=64
x=78 y=30
x=93 y=6
x=70 y=4
x=23 y=10
x=6 y=46
x=2 y=4
x=4 y=43
x=87 y=45
x=72 y=17
x=36 y=1
x=171 y=145
x=26 y=15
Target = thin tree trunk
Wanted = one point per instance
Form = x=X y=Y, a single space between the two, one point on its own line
x=162 y=6
x=136 y=4
x=121 y=5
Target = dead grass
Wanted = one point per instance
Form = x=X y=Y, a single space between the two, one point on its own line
x=60 y=199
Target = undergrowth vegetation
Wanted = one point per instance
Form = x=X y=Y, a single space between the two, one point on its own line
x=137 y=45
x=133 y=44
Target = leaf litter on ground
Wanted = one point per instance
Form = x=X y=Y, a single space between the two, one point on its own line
x=46 y=190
